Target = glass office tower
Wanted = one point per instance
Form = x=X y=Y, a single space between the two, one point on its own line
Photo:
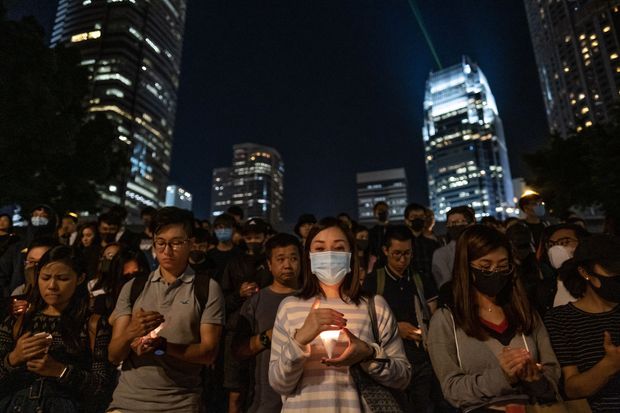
x=132 y=49
x=577 y=49
x=465 y=149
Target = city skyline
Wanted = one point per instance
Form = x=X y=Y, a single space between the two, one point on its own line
x=338 y=95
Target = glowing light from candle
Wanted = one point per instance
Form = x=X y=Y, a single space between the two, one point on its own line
x=330 y=338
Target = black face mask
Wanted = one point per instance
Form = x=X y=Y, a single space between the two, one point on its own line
x=609 y=289
x=362 y=244
x=108 y=237
x=255 y=247
x=382 y=216
x=417 y=224
x=197 y=257
x=455 y=231
x=492 y=283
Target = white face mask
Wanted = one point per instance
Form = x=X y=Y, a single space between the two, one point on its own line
x=330 y=267
x=559 y=254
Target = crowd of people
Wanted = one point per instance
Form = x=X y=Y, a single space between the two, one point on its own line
x=189 y=315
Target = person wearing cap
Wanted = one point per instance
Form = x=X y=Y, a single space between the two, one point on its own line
x=585 y=334
x=303 y=226
x=533 y=206
x=244 y=276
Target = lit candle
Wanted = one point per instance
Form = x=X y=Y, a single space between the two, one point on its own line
x=329 y=338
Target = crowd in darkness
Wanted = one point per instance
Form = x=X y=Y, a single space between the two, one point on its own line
x=190 y=315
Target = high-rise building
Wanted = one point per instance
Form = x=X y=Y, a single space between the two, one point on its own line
x=132 y=50
x=388 y=185
x=178 y=197
x=255 y=182
x=221 y=190
x=466 y=155
x=577 y=49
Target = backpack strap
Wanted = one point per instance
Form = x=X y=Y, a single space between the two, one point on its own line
x=380 y=281
x=201 y=289
x=137 y=286
x=372 y=313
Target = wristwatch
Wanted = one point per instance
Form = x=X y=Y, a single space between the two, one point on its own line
x=264 y=339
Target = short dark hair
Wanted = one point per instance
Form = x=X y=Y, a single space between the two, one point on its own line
x=225 y=219
x=414 y=207
x=235 y=210
x=464 y=210
x=398 y=233
x=44 y=241
x=360 y=228
x=201 y=235
x=282 y=240
x=149 y=210
x=110 y=219
x=120 y=211
x=173 y=216
x=378 y=204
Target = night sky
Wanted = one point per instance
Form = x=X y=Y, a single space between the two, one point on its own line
x=337 y=88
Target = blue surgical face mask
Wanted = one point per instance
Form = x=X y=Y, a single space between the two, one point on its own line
x=224 y=234
x=330 y=267
x=539 y=210
x=39 y=221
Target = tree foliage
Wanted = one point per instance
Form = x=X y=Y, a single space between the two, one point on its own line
x=51 y=152
x=582 y=170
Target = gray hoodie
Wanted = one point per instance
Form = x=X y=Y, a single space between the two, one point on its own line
x=470 y=374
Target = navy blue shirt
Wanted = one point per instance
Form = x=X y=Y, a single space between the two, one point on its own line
x=399 y=292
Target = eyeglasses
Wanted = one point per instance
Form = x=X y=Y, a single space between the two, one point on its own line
x=457 y=223
x=565 y=242
x=398 y=255
x=175 y=244
x=488 y=271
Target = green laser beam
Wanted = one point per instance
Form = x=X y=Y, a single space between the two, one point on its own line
x=418 y=17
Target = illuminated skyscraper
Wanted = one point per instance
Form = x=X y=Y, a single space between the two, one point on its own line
x=577 y=50
x=466 y=155
x=389 y=186
x=178 y=197
x=132 y=49
x=255 y=182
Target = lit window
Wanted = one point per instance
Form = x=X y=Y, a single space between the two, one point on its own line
x=567 y=39
x=584 y=110
x=606 y=29
x=594 y=43
x=613 y=56
x=584 y=50
x=136 y=33
x=592 y=37
x=114 y=76
x=588 y=124
x=582 y=37
x=579 y=128
x=566 y=69
x=153 y=45
x=582 y=96
x=115 y=92
x=85 y=36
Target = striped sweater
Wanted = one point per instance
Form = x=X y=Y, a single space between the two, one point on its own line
x=305 y=384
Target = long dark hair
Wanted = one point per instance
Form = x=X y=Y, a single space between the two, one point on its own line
x=112 y=281
x=74 y=316
x=80 y=231
x=350 y=287
x=476 y=242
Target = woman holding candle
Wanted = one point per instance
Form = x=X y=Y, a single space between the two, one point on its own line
x=331 y=300
x=489 y=344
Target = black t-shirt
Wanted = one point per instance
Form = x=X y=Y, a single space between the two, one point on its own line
x=221 y=259
x=577 y=339
x=399 y=294
x=537 y=231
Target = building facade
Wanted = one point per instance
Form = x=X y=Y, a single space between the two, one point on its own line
x=255 y=182
x=389 y=185
x=465 y=149
x=132 y=50
x=577 y=49
x=178 y=197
